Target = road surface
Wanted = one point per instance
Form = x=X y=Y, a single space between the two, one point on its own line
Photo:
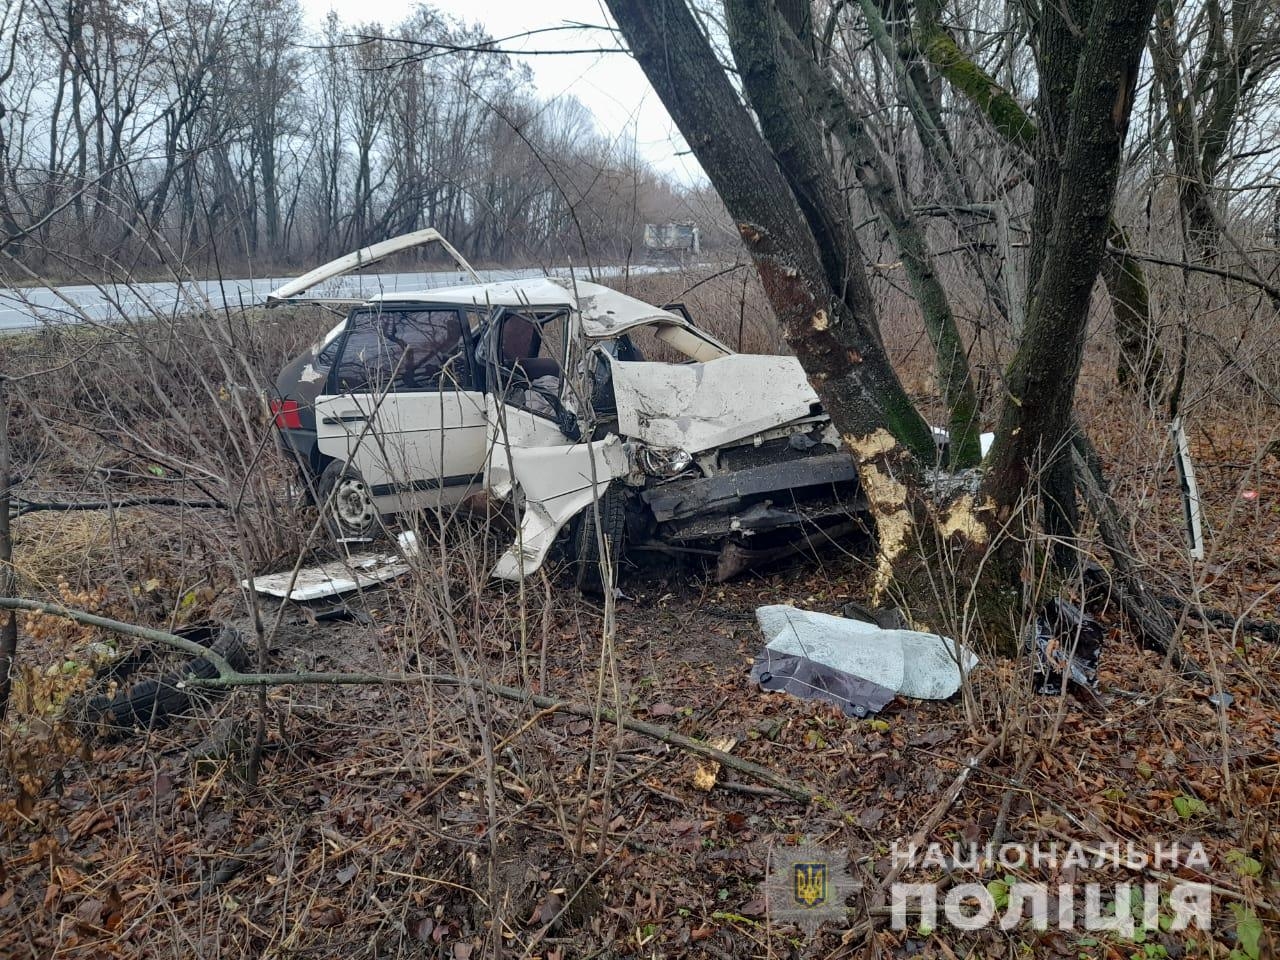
x=32 y=306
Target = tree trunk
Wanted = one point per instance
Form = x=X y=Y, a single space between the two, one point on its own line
x=1141 y=361
x=820 y=293
x=8 y=585
x=1074 y=195
x=820 y=95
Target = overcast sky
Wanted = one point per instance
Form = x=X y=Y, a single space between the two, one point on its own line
x=610 y=85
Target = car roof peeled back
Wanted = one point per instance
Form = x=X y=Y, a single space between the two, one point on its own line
x=605 y=313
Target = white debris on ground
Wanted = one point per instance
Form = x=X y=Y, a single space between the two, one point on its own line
x=859 y=666
x=333 y=577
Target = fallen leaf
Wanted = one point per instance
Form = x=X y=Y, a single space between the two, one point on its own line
x=90 y=911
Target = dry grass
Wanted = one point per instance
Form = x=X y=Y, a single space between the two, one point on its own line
x=424 y=820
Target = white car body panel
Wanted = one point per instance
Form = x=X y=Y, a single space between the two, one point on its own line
x=699 y=406
x=355 y=571
x=558 y=483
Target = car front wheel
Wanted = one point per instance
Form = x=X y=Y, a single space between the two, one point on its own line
x=603 y=524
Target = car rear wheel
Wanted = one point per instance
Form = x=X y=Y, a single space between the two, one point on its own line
x=590 y=573
x=346 y=504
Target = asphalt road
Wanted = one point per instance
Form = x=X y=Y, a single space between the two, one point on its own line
x=32 y=306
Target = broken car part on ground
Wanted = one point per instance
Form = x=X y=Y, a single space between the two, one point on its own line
x=1064 y=641
x=538 y=392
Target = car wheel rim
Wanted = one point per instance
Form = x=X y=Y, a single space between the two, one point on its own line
x=353 y=506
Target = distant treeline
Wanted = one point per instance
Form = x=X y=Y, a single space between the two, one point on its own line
x=135 y=133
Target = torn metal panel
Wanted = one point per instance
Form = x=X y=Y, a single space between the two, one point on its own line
x=558 y=483
x=360 y=260
x=333 y=577
x=689 y=498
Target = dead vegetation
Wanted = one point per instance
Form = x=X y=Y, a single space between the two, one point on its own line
x=426 y=818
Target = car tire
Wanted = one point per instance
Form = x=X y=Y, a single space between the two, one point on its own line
x=153 y=704
x=346 y=505
x=589 y=573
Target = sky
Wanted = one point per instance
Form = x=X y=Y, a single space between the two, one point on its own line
x=612 y=86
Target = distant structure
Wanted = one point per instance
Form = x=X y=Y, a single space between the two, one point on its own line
x=675 y=237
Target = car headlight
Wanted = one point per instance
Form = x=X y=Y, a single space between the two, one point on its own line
x=664 y=461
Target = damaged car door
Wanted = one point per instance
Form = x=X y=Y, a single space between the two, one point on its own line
x=538 y=454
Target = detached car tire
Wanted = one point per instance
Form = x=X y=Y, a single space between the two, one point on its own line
x=346 y=504
x=588 y=567
x=153 y=704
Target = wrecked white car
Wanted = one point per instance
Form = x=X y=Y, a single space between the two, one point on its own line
x=538 y=392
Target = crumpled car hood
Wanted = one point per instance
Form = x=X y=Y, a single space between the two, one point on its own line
x=700 y=406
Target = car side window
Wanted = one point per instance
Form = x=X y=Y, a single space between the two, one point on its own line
x=403 y=350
